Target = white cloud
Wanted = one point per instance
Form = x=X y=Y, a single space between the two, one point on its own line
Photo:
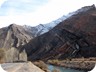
x=52 y=10
x=20 y=6
x=57 y=8
x=1 y=2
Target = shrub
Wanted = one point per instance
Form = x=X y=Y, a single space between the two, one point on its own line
x=41 y=65
x=2 y=54
x=55 y=61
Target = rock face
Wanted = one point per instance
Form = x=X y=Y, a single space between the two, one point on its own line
x=14 y=55
x=73 y=37
x=21 y=67
x=14 y=36
x=11 y=38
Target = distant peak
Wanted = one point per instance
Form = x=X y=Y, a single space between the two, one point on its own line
x=89 y=7
x=86 y=8
x=13 y=24
x=93 y=5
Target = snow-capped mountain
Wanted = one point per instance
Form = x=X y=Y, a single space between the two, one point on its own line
x=43 y=28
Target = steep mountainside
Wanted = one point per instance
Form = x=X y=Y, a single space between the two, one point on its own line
x=73 y=37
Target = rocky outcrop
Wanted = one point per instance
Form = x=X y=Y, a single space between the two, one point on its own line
x=11 y=39
x=14 y=36
x=73 y=37
x=14 y=55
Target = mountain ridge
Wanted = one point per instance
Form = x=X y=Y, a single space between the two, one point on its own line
x=14 y=34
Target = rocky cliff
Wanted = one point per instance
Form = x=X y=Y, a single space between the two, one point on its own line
x=14 y=36
x=11 y=38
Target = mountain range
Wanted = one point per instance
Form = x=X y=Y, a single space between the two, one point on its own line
x=72 y=36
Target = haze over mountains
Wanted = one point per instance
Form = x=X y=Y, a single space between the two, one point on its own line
x=68 y=36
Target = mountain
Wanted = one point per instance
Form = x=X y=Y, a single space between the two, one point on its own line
x=43 y=28
x=73 y=37
x=11 y=38
x=14 y=36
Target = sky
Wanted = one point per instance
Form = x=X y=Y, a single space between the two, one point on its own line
x=34 y=12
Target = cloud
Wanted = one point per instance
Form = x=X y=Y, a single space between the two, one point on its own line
x=1 y=2
x=34 y=12
x=15 y=7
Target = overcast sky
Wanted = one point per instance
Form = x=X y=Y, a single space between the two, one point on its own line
x=34 y=12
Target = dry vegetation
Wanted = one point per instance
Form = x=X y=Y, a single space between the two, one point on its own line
x=41 y=65
x=76 y=63
x=12 y=55
x=2 y=55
